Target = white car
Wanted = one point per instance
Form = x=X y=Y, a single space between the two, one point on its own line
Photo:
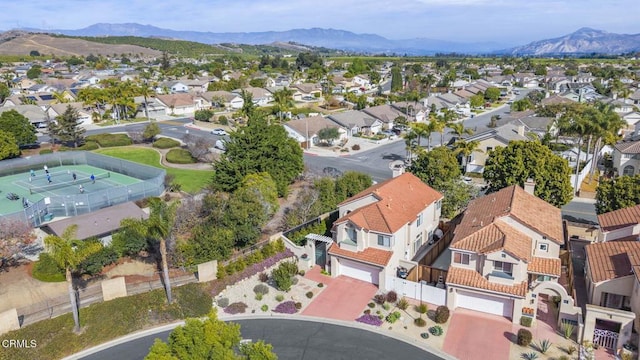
x=219 y=132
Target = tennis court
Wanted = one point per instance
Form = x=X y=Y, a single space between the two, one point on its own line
x=29 y=193
x=35 y=188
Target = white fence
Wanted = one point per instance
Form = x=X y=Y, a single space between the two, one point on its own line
x=414 y=290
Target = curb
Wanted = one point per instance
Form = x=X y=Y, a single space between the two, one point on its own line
x=159 y=329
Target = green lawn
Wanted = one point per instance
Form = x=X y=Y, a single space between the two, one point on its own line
x=192 y=181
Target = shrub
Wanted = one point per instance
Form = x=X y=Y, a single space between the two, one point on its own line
x=393 y=317
x=89 y=145
x=279 y=297
x=192 y=300
x=261 y=289
x=386 y=306
x=236 y=308
x=422 y=308
x=223 y=120
x=46 y=151
x=392 y=296
x=110 y=140
x=436 y=330
x=96 y=262
x=544 y=345
x=529 y=356
x=442 y=314
x=294 y=281
x=526 y=321
x=310 y=294
x=355 y=147
x=264 y=277
x=371 y=305
x=165 y=143
x=420 y=322
x=403 y=304
x=298 y=305
x=320 y=285
x=180 y=156
x=223 y=302
x=282 y=275
x=264 y=308
x=379 y=299
x=259 y=297
x=287 y=307
x=571 y=349
x=367 y=312
x=567 y=330
x=290 y=267
x=370 y=320
x=524 y=337
x=301 y=272
x=46 y=269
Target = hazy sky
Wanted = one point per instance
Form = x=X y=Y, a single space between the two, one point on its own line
x=505 y=21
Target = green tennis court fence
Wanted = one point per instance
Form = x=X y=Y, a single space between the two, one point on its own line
x=40 y=189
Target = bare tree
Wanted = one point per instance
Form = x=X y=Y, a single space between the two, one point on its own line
x=15 y=237
x=136 y=135
x=198 y=146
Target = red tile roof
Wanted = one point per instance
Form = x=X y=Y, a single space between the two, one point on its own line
x=619 y=218
x=399 y=201
x=612 y=259
x=514 y=202
x=496 y=237
x=544 y=266
x=471 y=278
x=369 y=255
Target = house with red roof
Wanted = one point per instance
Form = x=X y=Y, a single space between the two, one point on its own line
x=382 y=225
x=621 y=224
x=505 y=257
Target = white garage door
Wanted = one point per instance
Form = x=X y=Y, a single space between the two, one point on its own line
x=485 y=303
x=360 y=271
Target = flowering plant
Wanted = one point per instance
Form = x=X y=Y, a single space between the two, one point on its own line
x=287 y=307
x=370 y=319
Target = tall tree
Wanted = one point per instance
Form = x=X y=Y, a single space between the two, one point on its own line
x=15 y=123
x=617 y=193
x=258 y=147
x=523 y=160
x=67 y=128
x=68 y=253
x=15 y=236
x=396 y=79
x=8 y=146
x=4 y=92
x=283 y=101
x=436 y=167
x=159 y=227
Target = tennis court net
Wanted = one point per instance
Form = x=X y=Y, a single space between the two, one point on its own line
x=60 y=185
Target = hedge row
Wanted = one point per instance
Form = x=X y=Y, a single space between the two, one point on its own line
x=110 y=140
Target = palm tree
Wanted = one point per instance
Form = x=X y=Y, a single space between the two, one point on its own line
x=607 y=127
x=68 y=253
x=409 y=140
x=283 y=101
x=423 y=130
x=459 y=130
x=59 y=97
x=427 y=81
x=465 y=148
x=145 y=91
x=159 y=228
x=248 y=107
x=580 y=127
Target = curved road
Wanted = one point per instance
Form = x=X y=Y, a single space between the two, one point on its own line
x=295 y=340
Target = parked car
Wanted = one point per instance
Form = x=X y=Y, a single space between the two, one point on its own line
x=308 y=98
x=389 y=133
x=219 y=132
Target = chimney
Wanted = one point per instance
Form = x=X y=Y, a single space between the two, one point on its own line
x=521 y=130
x=530 y=186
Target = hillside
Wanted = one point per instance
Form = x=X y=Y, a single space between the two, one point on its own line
x=20 y=43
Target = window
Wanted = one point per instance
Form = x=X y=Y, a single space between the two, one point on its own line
x=460 y=258
x=628 y=170
x=543 y=247
x=419 y=221
x=384 y=240
x=417 y=243
x=504 y=267
x=352 y=235
x=544 y=278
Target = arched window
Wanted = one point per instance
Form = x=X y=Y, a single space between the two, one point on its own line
x=628 y=170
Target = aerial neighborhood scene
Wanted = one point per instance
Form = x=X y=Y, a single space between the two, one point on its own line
x=418 y=179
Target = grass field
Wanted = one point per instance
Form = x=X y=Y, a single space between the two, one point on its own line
x=192 y=181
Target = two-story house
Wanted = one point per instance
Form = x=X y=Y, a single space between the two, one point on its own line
x=381 y=225
x=612 y=277
x=626 y=157
x=505 y=254
x=489 y=140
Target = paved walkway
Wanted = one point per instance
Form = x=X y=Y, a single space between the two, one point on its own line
x=343 y=299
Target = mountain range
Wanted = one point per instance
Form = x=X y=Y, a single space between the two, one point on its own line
x=583 y=41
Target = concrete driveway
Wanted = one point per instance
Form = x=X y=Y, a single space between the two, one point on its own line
x=476 y=336
x=344 y=299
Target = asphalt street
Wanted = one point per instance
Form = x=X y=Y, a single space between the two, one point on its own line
x=295 y=340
